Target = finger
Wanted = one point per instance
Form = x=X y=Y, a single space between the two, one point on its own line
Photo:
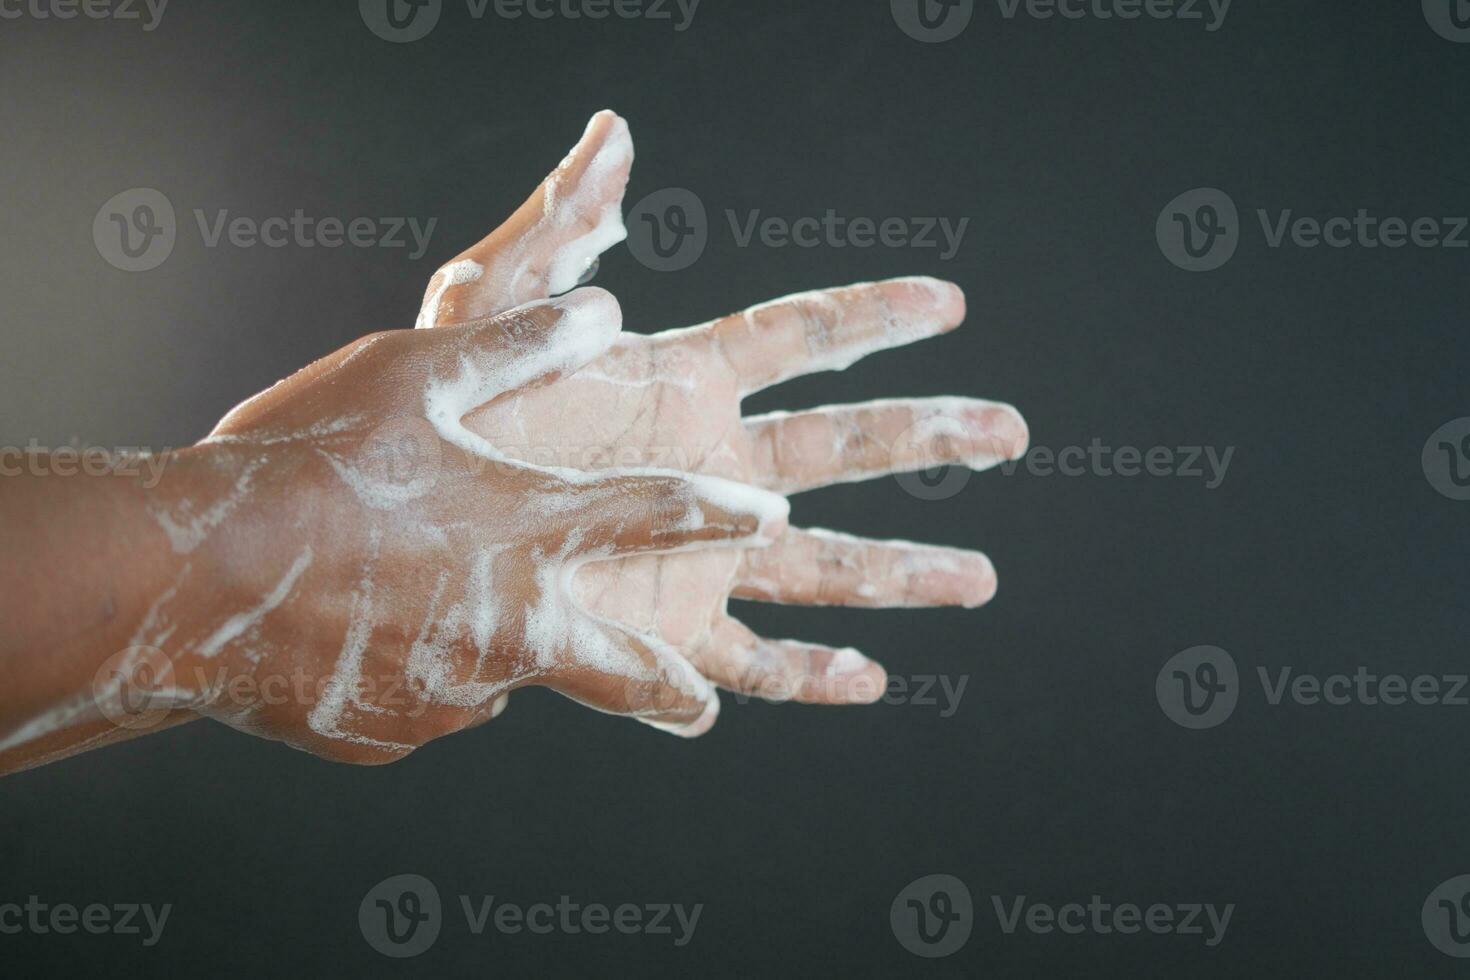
x=846 y=443
x=468 y=365
x=830 y=329
x=620 y=672
x=641 y=513
x=549 y=243
x=789 y=670
x=474 y=363
x=813 y=567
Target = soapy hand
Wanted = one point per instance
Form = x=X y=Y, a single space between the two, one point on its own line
x=673 y=399
x=354 y=572
x=355 y=563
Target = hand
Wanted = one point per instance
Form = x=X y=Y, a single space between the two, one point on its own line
x=673 y=399
x=540 y=250
x=345 y=535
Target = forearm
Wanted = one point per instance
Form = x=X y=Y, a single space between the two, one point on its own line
x=74 y=739
x=86 y=559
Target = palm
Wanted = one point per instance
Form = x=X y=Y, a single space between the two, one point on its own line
x=648 y=405
x=672 y=401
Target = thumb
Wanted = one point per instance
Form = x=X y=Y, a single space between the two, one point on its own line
x=475 y=363
x=547 y=246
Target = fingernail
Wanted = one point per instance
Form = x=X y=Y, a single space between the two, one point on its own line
x=862 y=680
x=845 y=662
x=1009 y=431
x=771 y=529
x=985 y=582
x=692 y=729
x=773 y=514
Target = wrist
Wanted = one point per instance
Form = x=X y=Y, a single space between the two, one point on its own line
x=236 y=521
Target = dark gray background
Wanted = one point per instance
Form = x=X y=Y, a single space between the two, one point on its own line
x=1059 y=776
